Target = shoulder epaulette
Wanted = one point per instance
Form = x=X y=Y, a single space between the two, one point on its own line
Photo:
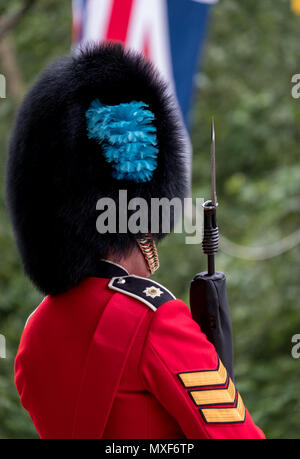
x=146 y=290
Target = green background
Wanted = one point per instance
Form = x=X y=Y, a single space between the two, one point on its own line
x=245 y=83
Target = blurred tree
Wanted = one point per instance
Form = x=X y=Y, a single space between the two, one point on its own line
x=7 y=52
x=36 y=38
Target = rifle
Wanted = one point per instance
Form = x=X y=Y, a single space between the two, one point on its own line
x=208 y=296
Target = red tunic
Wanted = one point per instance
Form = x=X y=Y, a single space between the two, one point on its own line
x=173 y=384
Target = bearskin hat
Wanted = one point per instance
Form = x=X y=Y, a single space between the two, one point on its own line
x=95 y=122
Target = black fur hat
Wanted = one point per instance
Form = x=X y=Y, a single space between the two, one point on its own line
x=57 y=171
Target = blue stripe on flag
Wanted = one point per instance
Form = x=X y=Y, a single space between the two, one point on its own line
x=187 y=23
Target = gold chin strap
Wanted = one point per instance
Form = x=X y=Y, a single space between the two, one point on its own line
x=149 y=250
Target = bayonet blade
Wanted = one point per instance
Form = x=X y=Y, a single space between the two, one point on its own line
x=213 y=165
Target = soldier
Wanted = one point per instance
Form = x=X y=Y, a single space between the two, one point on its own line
x=109 y=353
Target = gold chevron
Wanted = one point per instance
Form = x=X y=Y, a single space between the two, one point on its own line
x=214 y=396
x=296 y=6
x=223 y=415
x=205 y=378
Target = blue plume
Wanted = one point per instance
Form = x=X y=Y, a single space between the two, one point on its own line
x=128 y=138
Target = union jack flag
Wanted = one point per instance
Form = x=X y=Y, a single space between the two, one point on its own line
x=169 y=32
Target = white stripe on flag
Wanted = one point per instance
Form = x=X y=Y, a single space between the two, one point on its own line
x=149 y=20
x=98 y=14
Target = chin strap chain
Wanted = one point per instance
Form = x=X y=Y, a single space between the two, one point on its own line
x=149 y=250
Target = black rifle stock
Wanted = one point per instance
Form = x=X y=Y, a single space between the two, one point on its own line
x=209 y=308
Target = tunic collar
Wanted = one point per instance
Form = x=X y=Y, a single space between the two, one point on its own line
x=108 y=269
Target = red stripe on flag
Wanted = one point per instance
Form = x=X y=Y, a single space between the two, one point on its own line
x=146 y=46
x=119 y=20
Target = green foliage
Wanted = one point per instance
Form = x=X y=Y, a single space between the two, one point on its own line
x=42 y=35
x=245 y=83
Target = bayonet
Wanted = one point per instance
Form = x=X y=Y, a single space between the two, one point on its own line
x=210 y=243
x=208 y=298
x=213 y=165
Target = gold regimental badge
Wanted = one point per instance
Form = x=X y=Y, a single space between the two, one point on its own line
x=153 y=291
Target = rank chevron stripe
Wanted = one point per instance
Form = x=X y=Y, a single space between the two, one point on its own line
x=215 y=396
x=215 y=377
x=210 y=389
x=225 y=414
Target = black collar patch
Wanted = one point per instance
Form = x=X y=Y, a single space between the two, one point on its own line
x=107 y=269
x=145 y=290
